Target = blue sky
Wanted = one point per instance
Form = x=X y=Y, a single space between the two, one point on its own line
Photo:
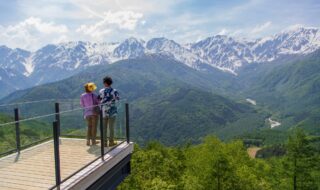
x=31 y=24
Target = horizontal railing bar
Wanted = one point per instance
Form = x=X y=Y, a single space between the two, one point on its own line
x=27 y=102
x=47 y=115
x=38 y=101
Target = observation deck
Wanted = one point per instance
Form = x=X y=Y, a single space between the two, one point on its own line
x=64 y=160
x=34 y=167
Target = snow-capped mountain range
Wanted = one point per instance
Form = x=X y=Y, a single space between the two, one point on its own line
x=55 y=62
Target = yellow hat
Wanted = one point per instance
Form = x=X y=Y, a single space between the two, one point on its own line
x=91 y=86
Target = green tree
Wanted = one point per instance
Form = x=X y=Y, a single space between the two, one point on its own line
x=220 y=166
x=301 y=161
x=155 y=167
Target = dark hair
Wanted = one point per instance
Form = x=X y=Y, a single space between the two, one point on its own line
x=107 y=80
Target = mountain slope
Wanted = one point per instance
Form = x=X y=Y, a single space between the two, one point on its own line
x=291 y=90
x=288 y=88
x=164 y=95
x=14 y=70
x=186 y=115
x=133 y=77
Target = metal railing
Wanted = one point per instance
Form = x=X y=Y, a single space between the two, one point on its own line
x=60 y=130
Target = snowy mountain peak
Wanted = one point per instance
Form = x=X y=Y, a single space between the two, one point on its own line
x=293 y=41
x=133 y=40
x=130 y=48
x=57 y=61
x=299 y=29
x=161 y=44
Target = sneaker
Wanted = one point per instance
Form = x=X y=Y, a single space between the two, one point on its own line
x=95 y=142
x=88 y=142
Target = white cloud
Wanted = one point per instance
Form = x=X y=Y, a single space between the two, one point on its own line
x=261 y=28
x=115 y=20
x=37 y=24
x=123 y=19
x=111 y=22
x=32 y=33
x=50 y=10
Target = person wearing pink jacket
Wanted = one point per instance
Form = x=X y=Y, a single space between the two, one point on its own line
x=88 y=102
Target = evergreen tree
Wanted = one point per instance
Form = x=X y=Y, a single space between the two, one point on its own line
x=301 y=161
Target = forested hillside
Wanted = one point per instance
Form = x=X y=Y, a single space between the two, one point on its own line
x=217 y=165
x=186 y=115
x=291 y=90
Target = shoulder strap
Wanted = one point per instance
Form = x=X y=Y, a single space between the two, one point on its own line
x=92 y=99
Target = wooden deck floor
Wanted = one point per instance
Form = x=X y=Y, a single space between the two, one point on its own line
x=33 y=168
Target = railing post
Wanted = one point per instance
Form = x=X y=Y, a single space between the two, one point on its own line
x=127 y=123
x=101 y=133
x=56 y=153
x=57 y=110
x=16 y=119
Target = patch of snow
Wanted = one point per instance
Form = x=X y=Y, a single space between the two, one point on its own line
x=253 y=102
x=224 y=69
x=114 y=59
x=77 y=64
x=273 y=123
x=101 y=48
x=29 y=66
